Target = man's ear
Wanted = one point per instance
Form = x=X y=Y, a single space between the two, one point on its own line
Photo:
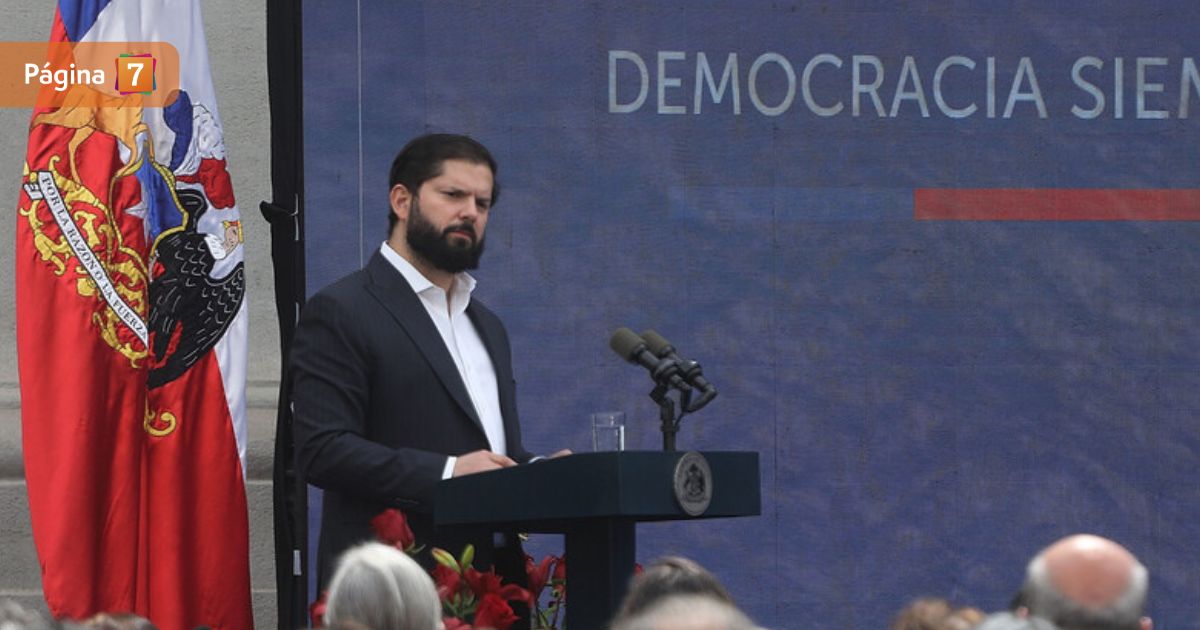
x=401 y=201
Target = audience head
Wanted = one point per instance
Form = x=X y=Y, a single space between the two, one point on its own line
x=1086 y=582
x=687 y=612
x=936 y=614
x=670 y=576
x=380 y=587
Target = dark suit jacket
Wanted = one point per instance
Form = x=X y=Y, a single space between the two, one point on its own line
x=379 y=404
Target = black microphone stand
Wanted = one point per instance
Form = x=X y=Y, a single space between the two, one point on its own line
x=666 y=413
x=667 y=369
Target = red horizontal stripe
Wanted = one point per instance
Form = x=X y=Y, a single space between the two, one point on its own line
x=1056 y=204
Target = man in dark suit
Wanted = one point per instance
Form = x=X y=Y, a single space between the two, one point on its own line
x=401 y=378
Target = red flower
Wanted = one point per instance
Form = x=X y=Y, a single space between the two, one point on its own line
x=488 y=583
x=539 y=574
x=560 y=577
x=454 y=623
x=560 y=570
x=446 y=580
x=512 y=592
x=316 y=611
x=482 y=583
x=392 y=528
x=494 y=612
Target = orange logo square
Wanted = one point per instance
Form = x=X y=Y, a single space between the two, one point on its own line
x=135 y=74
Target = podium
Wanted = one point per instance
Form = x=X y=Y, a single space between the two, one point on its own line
x=596 y=499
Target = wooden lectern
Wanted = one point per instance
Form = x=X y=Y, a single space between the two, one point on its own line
x=596 y=499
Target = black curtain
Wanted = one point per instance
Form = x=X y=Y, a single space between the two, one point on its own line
x=285 y=213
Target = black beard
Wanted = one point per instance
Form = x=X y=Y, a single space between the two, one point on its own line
x=436 y=247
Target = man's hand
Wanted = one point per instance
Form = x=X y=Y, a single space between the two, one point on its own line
x=556 y=455
x=480 y=461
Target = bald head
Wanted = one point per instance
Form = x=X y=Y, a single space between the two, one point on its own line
x=1086 y=581
x=1089 y=570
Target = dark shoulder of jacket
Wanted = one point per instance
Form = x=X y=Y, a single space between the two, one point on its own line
x=345 y=287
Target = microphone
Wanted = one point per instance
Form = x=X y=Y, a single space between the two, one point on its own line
x=691 y=370
x=632 y=348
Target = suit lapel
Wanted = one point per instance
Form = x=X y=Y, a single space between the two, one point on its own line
x=394 y=293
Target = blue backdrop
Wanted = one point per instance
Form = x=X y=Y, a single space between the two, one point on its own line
x=933 y=401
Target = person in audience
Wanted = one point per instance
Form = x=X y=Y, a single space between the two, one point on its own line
x=671 y=575
x=380 y=587
x=936 y=614
x=1086 y=582
x=687 y=612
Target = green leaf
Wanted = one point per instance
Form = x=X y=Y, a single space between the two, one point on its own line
x=445 y=559
x=468 y=556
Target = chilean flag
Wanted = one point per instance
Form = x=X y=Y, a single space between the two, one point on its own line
x=131 y=338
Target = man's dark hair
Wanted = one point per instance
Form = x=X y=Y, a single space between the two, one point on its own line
x=422 y=158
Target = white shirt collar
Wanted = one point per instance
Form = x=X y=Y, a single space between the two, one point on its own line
x=461 y=290
x=464 y=344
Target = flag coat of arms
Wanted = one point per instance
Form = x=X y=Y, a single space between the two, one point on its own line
x=131 y=337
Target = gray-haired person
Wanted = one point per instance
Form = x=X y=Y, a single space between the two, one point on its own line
x=1085 y=582
x=382 y=588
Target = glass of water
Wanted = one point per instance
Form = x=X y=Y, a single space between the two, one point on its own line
x=608 y=431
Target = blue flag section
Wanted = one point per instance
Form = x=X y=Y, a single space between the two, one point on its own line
x=941 y=259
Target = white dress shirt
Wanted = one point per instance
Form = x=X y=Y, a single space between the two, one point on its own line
x=464 y=344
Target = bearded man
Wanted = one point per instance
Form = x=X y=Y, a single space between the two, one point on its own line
x=401 y=378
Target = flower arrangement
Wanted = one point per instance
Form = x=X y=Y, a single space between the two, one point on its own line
x=472 y=599
x=550 y=572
